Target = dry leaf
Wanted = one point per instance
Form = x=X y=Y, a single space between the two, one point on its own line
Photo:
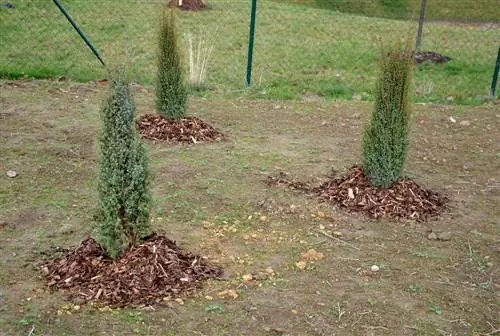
x=227 y=293
x=301 y=265
x=269 y=271
x=247 y=277
x=313 y=255
x=232 y=293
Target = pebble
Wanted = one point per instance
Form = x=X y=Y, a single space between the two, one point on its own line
x=432 y=236
x=444 y=236
x=465 y=123
x=11 y=173
x=375 y=268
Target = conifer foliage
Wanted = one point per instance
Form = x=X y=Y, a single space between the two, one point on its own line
x=385 y=139
x=171 y=94
x=123 y=183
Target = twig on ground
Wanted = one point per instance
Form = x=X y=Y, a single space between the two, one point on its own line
x=471 y=253
x=32 y=330
x=320 y=242
x=493 y=331
x=198 y=333
x=373 y=327
x=337 y=239
x=340 y=311
x=356 y=322
x=347 y=259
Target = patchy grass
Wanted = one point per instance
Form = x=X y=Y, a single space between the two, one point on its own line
x=211 y=198
x=300 y=52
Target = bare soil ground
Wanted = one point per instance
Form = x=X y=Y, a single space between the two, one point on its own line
x=295 y=266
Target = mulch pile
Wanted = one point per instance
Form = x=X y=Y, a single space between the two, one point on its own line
x=405 y=199
x=430 y=56
x=186 y=130
x=145 y=274
x=190 y=5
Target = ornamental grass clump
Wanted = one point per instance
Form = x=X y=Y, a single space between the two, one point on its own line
x=385 y=140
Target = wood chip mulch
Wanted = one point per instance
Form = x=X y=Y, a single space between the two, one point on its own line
x=405 y=199
x=145 y=274
x=182 y=130
x=189 y=5
x=430 y=56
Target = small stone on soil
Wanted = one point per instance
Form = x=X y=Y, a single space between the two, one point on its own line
x=444 y=236
x=432 y=236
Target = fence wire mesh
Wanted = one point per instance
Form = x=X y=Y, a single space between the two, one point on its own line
x=301 y=51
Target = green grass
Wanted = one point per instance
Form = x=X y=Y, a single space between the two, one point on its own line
x=481 y=10
x=300 y=51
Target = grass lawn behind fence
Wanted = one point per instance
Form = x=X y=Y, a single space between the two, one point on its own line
x=300 y=52
x=462 y=11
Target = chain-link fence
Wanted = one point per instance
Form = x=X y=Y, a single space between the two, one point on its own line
x=301 y=51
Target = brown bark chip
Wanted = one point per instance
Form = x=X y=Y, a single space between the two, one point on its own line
x=144 y=274
x=405 y=199
x=184 y=130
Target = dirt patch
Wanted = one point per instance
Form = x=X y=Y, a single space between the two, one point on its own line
x=29 y=218
x=190 y=5
x=430 y=56
x=176 y=171
x=149 y=273
x=417 y=276
x=183 y=130
x=405 y=199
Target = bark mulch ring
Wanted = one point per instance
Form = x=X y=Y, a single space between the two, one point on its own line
x=146 y=274
x=405 y=199
x=430 y=56
x=184 y=130
x=190 y=5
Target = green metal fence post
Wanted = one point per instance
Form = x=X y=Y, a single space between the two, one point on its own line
x=82 y=35
x=248 y=81
x=495 y=76
x=420 y=25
